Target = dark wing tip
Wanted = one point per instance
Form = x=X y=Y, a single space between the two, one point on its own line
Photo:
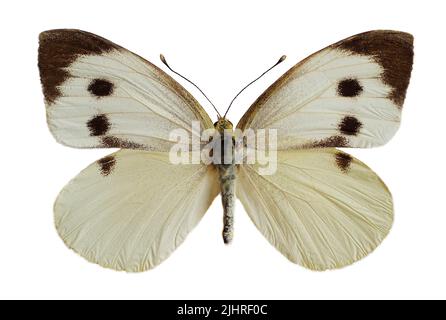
x=393 y=50
x=405 y=36
x=59 y=48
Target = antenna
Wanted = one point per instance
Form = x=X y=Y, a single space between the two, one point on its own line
x=282 y=58
x=163 y=59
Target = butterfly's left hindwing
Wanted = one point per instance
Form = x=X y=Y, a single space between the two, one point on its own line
x=130 y=210
x=349 y=94
x=322 y=209
x=99 y=94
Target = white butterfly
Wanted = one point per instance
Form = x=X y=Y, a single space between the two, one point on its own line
x=322 y=209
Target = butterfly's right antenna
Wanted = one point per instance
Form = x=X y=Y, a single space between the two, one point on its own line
x=282 y=58
x=163 y=59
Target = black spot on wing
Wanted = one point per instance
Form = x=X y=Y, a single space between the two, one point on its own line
x=349 y=125
x=349 y=88
x=101 y=88
x=98 y=125
x=343 y=161
x=107 y=165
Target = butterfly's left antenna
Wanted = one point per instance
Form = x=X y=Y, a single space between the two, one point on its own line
x=163 y=59
x=282 y=58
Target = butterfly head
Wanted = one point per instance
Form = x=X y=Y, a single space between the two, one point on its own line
x=223 y=124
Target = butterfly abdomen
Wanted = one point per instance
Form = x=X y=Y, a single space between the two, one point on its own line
x=227 y=177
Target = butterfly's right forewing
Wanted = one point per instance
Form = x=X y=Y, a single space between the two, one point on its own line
x=100 y=95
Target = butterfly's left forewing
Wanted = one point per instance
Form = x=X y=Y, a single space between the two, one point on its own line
x=349 y=94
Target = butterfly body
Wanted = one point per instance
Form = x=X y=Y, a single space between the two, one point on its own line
x=226 y=175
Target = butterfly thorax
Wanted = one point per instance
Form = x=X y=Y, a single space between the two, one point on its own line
x=226 y=172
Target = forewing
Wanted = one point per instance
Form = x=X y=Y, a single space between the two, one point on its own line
x=130 y=210
x=322 y=209
x=99 y=94
x=349 y=94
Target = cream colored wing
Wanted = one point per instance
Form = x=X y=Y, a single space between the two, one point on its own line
x=130 y=210
x=349 y=94
x=322 y=209
x=99 y=94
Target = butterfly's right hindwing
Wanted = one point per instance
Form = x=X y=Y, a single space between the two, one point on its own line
x=130 y=210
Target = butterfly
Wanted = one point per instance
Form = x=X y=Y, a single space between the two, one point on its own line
x=322 y=208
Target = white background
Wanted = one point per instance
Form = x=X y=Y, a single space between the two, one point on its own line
x=221 y=46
